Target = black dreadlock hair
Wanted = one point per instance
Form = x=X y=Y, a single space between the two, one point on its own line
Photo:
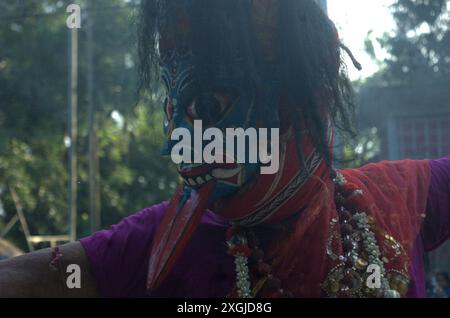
x=307 y=56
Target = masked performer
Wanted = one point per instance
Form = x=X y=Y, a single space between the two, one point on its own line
x=306 y=231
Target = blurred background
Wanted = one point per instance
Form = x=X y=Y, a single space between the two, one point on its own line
x=79 y=148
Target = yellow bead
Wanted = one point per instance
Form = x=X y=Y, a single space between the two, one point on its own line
x=361 y=263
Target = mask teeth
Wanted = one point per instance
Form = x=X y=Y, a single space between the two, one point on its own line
x=198 y=181
x=194 y=165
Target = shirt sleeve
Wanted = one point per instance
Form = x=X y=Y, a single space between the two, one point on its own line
x=118 y=257
x=436 y=226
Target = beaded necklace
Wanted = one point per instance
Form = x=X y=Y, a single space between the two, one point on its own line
x=357 y=239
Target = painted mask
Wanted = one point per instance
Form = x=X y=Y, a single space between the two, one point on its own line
x=232 y=101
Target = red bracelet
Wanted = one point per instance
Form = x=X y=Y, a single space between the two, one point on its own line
x=55 y=262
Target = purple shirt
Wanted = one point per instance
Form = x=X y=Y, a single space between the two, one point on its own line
x=119 y=256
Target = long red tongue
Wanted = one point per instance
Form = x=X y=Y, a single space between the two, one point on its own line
x=175 y=231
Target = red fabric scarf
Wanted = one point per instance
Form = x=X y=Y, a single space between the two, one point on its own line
x=395 y=195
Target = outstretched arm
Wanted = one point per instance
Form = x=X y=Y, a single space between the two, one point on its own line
x=436 y=227
x=32 y=275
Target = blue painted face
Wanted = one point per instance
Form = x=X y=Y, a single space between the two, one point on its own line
x=232 y=102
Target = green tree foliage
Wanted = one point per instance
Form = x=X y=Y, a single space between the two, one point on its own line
x=418 y=61
x=33 y=117
x=419 y=49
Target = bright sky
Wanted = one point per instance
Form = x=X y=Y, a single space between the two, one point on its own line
x=354 y=20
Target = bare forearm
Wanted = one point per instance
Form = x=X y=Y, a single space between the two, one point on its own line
x=31 y=275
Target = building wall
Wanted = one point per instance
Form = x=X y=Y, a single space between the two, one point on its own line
x=414 y=123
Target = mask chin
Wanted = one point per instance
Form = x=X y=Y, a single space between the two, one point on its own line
x=227 y=188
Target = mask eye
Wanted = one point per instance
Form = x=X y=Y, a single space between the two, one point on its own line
x=211 y=107
x=224 y=101
x=168 y=109
x=192 y=110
